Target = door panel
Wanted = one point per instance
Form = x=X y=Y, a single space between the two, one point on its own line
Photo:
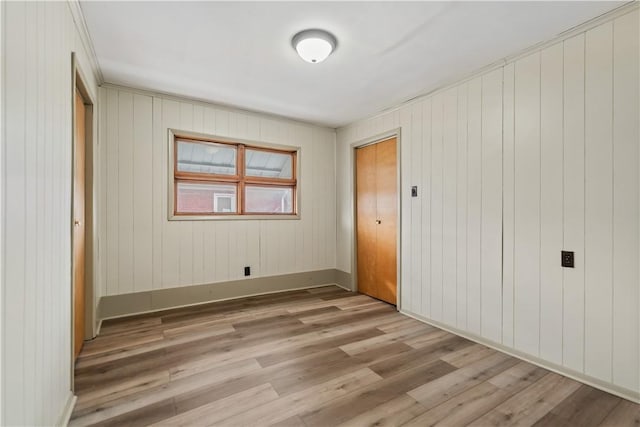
x=366 y=219
x=376 y=220
x=79 y=226
x=387 y=208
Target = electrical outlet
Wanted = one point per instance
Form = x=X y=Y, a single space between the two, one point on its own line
x=567 y=259
x=247 y=271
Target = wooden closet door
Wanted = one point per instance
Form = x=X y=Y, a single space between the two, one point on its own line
x=376 y=220
x=79 y=227
x=366 y=229
x=387 y=210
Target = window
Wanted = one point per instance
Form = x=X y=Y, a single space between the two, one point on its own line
x=218 y=178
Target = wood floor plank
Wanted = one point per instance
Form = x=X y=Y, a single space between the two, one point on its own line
x=468 y=355
x=465 y=407
x=625 y=413
x=586 y=407
x=213 y=412
x=394 y=412
x=442 y=389
x=531 y=404
x=394 y=365
x=316 y=357
x=142 y=416
x=383 y=339
x=304 y=401
x=368 y=398
x=121 y=389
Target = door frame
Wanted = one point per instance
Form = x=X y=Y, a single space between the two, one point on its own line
x=78 y=80
x=393 y=133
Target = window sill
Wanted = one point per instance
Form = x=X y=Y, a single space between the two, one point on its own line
x=232 y=217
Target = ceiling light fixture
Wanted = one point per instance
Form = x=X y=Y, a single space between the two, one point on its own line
x=314 y=46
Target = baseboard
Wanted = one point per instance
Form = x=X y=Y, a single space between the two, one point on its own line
x=65 y=416
x=578 y=376
x=162 y=299
x=344 y=280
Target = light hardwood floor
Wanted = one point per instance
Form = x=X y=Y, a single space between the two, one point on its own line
x=318 y=357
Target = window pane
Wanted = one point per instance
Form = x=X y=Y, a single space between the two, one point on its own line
x=206 y=157
x=206 y=197
x=268 y=164
x=268 y=199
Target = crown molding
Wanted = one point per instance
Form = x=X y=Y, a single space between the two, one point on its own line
x=85 y=38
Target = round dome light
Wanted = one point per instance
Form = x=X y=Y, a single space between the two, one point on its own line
x=314 y=46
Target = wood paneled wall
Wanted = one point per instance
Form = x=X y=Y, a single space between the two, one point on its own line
x=36 y=208
x=513 y=166
x=142 y=250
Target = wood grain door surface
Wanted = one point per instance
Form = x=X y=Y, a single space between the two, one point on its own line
x=79 y=226
x=377 y=219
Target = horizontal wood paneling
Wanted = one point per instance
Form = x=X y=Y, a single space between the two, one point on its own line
x=37 y=41
x=547 y=159
x=145 y=251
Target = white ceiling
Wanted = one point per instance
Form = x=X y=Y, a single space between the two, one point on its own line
x=239 y=53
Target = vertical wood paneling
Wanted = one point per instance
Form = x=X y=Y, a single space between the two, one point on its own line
x=474 y=203
x=102 y=195
x=528 y=185
x=551 y=167
x=112 y=258
x=31 y=102
x=527 y=205
x=37 y=40
x=461 y=211
x=308 y=171
x=159 y=207
x=142 y=193
x=508 y=196
x=598 y=201
x=299 y=226
x=185 y=228
x=406 y=296
x=626 y=210
x=170 y=229
x=573 y=163
x=164 y=254
x=200 y=227
x=416 y=209
x=209 y=237
x=437 y=197
x=491 y=202
x=449 y=206
x=330 y=217
x=125 y=193
x=425 y=188
x=14 y=261
x=41 y=252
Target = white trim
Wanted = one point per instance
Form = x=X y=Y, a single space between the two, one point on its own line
x=85 y=38
x=558 y=369
x=65 y=416
x=3 y=181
